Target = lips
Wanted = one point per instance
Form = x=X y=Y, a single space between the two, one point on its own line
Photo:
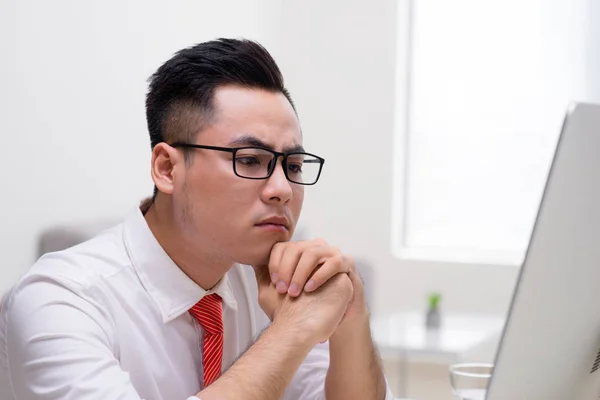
x=275 y=220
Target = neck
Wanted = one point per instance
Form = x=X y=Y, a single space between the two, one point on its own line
x=185 y=249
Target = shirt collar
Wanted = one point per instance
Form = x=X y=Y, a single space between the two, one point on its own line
x=172 y=291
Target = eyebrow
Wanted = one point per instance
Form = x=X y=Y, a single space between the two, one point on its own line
x=249 y=140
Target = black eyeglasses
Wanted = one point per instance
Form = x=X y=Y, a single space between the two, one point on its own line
x=259 y=163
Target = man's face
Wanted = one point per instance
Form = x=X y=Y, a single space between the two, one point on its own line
x=226 y=214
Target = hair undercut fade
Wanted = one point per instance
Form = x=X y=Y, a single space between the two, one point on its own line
x=179 y=102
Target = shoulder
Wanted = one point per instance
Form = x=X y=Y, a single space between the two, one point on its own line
x=74 y=274
x=83 y=264
x=57 y=312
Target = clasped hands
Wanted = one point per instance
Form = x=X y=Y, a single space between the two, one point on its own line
x=311 y=287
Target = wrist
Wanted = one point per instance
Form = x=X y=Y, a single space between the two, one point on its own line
x=292 y=333
x=355 y=328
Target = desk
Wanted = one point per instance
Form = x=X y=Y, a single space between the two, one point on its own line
x=405 y=337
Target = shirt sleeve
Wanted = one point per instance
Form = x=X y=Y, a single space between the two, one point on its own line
x=59 y=346
x=309 y=381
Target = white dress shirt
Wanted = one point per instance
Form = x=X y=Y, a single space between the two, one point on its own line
x=108 y=320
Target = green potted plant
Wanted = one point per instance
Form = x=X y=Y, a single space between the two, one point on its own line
x=434 y=318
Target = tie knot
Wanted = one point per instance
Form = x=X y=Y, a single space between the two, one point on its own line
x=209 y=313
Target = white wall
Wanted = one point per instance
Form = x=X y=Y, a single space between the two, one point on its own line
x=73 y=80
x=340 y=66
x=339 y=62
x=75 y=144
x=72 y=86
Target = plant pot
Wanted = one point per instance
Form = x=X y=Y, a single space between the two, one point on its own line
x=433 y=319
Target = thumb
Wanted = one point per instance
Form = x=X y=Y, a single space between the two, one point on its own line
x=357 y=284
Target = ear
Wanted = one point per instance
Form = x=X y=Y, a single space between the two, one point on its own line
x=166 y=160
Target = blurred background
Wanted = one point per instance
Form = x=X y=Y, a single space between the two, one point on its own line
x=438 y=121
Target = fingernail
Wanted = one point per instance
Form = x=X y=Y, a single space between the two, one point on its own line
x=274 y=277
x=310 y=286
x=294 y=289
x=281 y=287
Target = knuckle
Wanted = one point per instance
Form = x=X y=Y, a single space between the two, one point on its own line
x=338 y=263
x=291 y=253
x=347 y=284
x=343 y=287
x=278 y=246
x=338 y=258
x=312 y=252
x=302 y=245
x=297 y=251
x=348 y=263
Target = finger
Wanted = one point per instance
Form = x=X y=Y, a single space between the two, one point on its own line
x=357 y=282
x=309 y=263
x=288 y=258
x=289 y=261
x=287 y=265
x=275 y=259
x=332 y=266
x=357 y=285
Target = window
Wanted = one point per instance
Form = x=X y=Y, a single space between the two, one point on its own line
x=482 y=90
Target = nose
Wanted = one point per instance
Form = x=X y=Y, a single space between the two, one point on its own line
x=277 y=188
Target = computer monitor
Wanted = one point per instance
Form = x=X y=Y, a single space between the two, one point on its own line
x=549 y=349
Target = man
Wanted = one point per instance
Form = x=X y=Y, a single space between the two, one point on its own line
x=166 y=305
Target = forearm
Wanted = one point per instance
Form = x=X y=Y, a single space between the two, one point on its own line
x=265 y=370
x=355 y=369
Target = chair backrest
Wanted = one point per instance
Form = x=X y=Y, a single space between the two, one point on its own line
x=65 y=236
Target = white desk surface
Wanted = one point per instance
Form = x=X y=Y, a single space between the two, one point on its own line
x=405 y=334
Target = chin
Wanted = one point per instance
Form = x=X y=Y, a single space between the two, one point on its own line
x=256 y=255
x=254 y=260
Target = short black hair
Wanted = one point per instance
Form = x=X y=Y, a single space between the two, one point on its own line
x=180 y=96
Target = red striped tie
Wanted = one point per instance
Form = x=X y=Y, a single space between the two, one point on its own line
x=209 y=313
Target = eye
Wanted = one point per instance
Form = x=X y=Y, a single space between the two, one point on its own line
x=295 y=168
x=247 y=160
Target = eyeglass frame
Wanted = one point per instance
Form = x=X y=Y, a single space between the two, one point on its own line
x=276 y=155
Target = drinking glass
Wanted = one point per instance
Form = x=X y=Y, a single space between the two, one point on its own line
x=470 y=381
